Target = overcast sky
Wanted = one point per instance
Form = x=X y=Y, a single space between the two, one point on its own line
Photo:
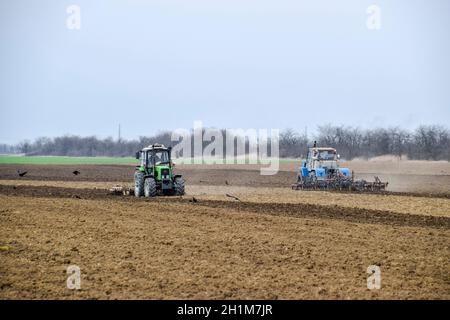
x=154 y=65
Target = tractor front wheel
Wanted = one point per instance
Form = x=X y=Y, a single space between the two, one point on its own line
x=149 y=187
x=178 y=186
x=138 y=184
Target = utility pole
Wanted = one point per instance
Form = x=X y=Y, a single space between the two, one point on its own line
x=119 y=138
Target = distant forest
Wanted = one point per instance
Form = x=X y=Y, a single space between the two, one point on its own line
x=425 y=142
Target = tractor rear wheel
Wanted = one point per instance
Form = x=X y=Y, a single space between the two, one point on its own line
x=138 y=184
x=178 y=186
x=150 y=187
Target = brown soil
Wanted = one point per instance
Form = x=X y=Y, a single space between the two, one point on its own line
x=273 y=243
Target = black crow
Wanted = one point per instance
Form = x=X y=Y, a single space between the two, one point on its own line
x=193 y=200
x=21 y=174
x=76 y=172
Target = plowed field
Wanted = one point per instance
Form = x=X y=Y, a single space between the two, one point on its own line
x=272 y=242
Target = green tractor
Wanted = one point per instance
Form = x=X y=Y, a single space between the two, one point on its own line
x=155 y=174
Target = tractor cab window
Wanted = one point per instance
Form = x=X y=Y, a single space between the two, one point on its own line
x=158 y=157
x=327 y=155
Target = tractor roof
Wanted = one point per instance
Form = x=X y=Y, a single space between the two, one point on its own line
x=323 y=149
x=155 y=146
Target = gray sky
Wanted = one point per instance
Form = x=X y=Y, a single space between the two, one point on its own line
x=154 y=65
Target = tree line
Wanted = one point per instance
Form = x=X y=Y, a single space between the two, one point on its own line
x=425 y=143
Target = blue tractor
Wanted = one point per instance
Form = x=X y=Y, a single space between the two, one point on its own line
x=321 y=171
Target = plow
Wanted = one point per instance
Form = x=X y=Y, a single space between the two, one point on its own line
x=321 y=171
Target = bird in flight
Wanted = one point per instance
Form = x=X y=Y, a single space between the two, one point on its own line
x=21 y=174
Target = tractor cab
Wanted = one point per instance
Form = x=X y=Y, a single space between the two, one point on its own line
x=159 y=157
x=154 y=155
x=322 y=161
x=322 y=165
x=327 y=154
